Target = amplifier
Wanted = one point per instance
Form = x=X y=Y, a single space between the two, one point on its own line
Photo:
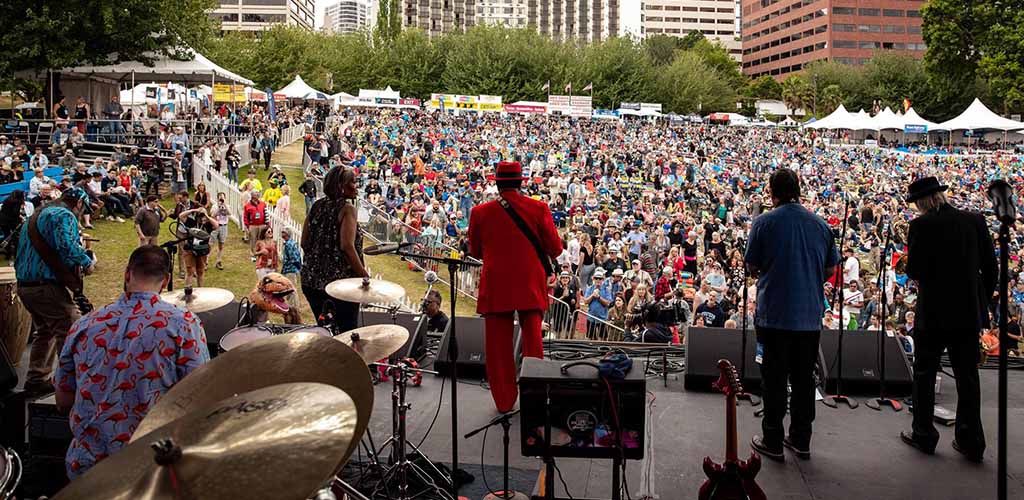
x=472 y=360
x=584 y=413
x=49 y=432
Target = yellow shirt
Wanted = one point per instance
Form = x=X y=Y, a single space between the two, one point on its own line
x=271 y=195
x=256 y=185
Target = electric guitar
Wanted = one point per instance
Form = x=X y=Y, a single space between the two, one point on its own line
x=734 y=479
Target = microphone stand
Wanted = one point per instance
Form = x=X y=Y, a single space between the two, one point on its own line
x=744 y=395
x=453 y=354
x=503 y=419
x=883 y=268
x=839 y=397
x=1001 y=195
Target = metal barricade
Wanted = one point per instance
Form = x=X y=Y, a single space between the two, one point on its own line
x=560 y=319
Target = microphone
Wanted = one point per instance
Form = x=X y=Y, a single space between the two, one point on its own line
x=430 y=277
x=384 y=248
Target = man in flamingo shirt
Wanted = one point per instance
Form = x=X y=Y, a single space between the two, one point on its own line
x=513 y=278
x=118 y=360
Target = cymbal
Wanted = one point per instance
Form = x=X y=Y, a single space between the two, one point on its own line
x=374 y=292
x=281 y=359
x=200 y=300
x=375 y=341
x=277 y=442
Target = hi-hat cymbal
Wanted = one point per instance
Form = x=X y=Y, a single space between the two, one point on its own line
x=375 y=341
x=273 y=443
x=365 y=291
x=200 y=299
x=281 y=359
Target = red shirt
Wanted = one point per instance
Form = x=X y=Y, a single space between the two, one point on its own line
x=255 y=215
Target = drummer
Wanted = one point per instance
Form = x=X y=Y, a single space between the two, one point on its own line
x=109 y=378
x=332 y=225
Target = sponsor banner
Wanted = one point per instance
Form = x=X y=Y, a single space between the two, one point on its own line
x=915 y=129
x=490 y=106
x=472 y=106
x=409 y=101
x=489 y=99
x=581 y=105
x=524 y=108
x=635 y=106
x=223 y=92
x=559 y=104
x=649 y=105
x=871 y=143
x=724 y=117
x=606 y=112
x=387 y=101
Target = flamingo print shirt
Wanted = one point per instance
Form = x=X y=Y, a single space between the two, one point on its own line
x=118 y=361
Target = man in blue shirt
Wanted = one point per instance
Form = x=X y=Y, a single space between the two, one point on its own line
x=46 y=299
x=597 y=297
x=792 y=252
x=291 y=264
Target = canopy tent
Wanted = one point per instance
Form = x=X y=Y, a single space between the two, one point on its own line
x=976 y=117
x=887 y=120
x=788 y=122
x=912 y=119
x=299 y=89
x=199 y=69
x=834 y=120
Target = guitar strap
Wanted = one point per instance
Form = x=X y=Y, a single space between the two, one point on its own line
x=534 y=241
x=70 y=280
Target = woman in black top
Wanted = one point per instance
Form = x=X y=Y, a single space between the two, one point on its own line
x=332 y=226
x=60 y=110
x=81 y=114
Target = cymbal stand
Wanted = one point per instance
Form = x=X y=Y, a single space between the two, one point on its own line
x=834 y=400
x=401 y=466
x=883 y=274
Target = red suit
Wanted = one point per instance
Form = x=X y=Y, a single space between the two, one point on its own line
x=512 y=280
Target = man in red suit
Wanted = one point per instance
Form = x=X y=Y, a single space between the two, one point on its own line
x=513 y=278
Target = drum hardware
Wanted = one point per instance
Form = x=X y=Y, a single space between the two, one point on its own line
x=375 y=342
x=400 y=465
x=10 y=473
x=365 y=291
x=198 y=299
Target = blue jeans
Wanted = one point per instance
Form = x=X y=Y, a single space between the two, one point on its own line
x=233 y=173
x=309 y=203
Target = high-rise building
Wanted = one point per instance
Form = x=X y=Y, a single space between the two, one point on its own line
x=349 y=16
x=257 y=15
x=783 y=36
x=716 y=19
x=436 y=17
x=586 y=20
x=508 y=13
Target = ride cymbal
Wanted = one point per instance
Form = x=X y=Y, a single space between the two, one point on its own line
x=375 y=342
x=365 y=291
x=198 y=300
x=281 y=359
x=274 y=443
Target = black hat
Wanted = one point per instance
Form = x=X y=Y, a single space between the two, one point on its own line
x=924 y=187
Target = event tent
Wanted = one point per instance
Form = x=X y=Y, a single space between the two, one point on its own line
x=299 y=89
x=977 y=117
x=912 y=118
x=887 y=120
x=789 y=122
x=834 y=120
x=199 y=69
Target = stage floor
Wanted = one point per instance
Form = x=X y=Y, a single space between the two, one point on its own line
x=856 y=454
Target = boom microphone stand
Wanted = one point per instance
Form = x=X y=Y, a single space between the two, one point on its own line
x=839 y=397
x=503 y=419
x=744 y=395
x=883 y=272
x=1000 y=193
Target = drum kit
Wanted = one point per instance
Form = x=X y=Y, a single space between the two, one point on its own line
x=276 y=415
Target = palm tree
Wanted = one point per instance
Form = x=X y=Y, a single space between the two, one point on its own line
x=796 y=92
x=831 y=98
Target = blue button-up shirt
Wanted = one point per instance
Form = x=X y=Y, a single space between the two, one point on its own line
x=596 y=308
x=292 y=261
x=59 y=228
x=791 y=247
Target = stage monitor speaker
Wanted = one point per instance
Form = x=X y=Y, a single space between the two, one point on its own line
x=705 y=346
x=416 y=324
x=472 y=361
x=860 y=363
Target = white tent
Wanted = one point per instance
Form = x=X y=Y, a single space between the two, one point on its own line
x=833 y=121
x=912 y=118
x=299 y=89
x=977 y=117
x=887 y=120
x=860 y=121
x=197 y=70
x=788 y=122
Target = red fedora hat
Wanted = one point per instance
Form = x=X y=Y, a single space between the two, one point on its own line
x=509 y=171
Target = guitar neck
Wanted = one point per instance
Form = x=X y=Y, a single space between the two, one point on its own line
x=730 y=430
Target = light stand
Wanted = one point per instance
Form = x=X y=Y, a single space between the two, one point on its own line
x=883 y=268
x=743 y=395
x=505 y=421
x=1001 y=195
x=834 y=400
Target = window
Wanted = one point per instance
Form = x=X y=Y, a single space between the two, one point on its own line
x=707 y=9
x=913 y=13
x=869 y=28
x=694 y=9
x=893 y=29
x=723 y=10
x=843 y=11
x=869 y=12
x=263 y=18
x=869 y=45
x=724 y=21
x=653 y=7
x=672 y=7
x=892 y=12
x=916 y=30
x=655 y=19
x=847 y=28
x=261 y=2
x=226 y=18
x=844 y=44
x=654 y=30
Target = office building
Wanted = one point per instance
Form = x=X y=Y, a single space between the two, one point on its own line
x=436 y=17
x=258 y=15
x=715 y=19
x=586 y=20
x=507 y=13
x=349 y=16
x=782 y=36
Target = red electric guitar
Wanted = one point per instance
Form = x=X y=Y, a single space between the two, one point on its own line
x=733 y=480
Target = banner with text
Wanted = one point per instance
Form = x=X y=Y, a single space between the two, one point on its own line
x=223 y=92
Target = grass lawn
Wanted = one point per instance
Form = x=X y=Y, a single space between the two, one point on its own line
x=118 y=240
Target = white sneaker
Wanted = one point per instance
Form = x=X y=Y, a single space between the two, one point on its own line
x=109 y=218
x=118 y=219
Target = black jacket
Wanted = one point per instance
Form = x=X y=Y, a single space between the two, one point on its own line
x=951 y=256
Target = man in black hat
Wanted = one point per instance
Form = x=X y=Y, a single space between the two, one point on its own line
x=951 y=256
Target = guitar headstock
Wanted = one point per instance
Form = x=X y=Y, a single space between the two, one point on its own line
x=728 y=380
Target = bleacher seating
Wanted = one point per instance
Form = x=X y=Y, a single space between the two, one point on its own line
x=6 y=189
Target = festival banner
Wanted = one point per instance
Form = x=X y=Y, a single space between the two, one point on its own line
x=635 y=106
x=559 y=104
x=581 y=106
x=471 y=106
x=524 y=108
x=613 y=113
x=409 y=101
x=223 y=92
x=386 y=101
x=649 y=105
x=915 y=129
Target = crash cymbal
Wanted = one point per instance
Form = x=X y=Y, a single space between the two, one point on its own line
x=375 y=341
x=273 y=443
x=200 y=299
x=365 y=291
x=281 y=359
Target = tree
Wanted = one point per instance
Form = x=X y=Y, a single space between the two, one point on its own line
x=891 y=77
x=688 y=85
x=616 y=70
x=661 y=49
x=44 y=35
x=717 y=57
x=831 y=98
x=763 y=87
x=389 y=20
x=797 y=93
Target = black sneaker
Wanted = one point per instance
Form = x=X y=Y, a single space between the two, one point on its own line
x=801 y=453
x=973 y=457
x=908 y=438
x=758 y=445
